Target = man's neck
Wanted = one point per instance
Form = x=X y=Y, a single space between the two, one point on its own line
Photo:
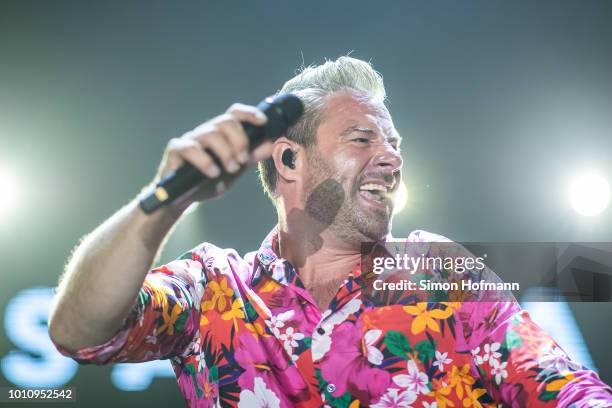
x=319 y=257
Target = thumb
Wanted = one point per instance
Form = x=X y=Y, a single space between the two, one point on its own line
x=261 y=152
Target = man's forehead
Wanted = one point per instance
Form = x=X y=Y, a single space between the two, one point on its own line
x=354 y=109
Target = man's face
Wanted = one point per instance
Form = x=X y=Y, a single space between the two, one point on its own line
x=357 y=149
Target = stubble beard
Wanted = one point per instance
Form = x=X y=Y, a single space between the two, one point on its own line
x=348 y=220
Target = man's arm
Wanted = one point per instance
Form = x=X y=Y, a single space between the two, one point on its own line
x=107 y=270
x=105 y=274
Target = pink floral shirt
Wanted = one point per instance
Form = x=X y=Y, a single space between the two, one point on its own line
x=244 y=332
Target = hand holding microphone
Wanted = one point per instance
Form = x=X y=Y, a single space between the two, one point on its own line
x=204 y=161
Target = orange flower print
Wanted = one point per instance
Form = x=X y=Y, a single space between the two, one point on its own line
x=222 y=295
x=440 y=392
x=471 y=397
x=459 y=378
x=234 y=313
x=170 y=319
x=426 y=318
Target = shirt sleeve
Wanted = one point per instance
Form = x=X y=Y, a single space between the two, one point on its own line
x=521 y=365
x=162 y=323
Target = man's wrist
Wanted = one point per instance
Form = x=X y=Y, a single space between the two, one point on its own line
x=152 y=228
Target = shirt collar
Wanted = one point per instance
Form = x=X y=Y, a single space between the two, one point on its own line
x=270 y=263
x=268 y=250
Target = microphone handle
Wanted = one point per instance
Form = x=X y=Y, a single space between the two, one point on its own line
x=186 y=177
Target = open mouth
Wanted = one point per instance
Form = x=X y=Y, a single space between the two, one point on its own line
x=377 y=194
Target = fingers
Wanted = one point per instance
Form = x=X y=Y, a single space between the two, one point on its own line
x=225 y=138
x=217 y=143
x=234 y=131
x=236 y=137
x=262 y=152
x=247 y=113
x=188 y=149
x=220 y=144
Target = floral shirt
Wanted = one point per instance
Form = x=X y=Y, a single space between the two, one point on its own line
x=244 y=332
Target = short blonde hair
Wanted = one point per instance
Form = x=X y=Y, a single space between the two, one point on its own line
x=312 y=85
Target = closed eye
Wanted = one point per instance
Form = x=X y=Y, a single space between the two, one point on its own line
x=361 y=140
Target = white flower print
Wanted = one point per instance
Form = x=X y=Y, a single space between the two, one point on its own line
x=428 y=405
x=290 y=338
x=321 y=343
x=393 y=398
x=374 y=355
x=261 y=396
x=490 y=352
x=201 y=361
x=441 y=359
x=195 y=345
x=275 y=324
x=499 y=370
x=475 y=355
x=415 y=380
x=152 y=338
x=555 y=359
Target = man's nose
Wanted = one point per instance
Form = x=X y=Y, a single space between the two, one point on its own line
x=388 y=157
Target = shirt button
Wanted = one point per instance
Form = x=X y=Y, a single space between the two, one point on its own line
x=331 y=388
x=321 y=331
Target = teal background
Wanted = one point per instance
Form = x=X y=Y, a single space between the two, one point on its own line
x=499 y=103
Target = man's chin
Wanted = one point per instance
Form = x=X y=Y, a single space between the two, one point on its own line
x=374 y=236
x=375 y=231
x=379 y=219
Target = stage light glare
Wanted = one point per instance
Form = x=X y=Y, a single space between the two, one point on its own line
x=590 y=194
x=401 y=198
x=8 y=192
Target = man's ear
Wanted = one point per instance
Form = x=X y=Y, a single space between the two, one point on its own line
x=287 y=160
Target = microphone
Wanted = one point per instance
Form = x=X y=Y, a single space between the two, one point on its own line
x=282 y=111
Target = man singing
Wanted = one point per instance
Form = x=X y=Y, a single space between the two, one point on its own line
x=294 y=324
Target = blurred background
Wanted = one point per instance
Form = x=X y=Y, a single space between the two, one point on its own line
x=505 y=109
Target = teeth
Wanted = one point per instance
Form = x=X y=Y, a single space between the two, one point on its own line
x=373 y=187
